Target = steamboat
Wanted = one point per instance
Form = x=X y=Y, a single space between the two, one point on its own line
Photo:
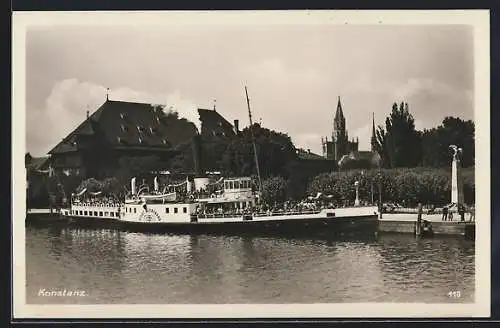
x=233 y=208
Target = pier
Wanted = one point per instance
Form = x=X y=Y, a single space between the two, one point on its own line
x=405 y=223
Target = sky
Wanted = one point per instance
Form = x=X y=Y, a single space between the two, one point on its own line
x=294 y=75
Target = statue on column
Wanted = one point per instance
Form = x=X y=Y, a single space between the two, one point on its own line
x=457 y=196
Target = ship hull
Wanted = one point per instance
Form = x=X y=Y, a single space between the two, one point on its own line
x=304 y=226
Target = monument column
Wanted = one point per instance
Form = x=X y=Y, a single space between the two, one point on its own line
x=457 y=195
x=356 y=201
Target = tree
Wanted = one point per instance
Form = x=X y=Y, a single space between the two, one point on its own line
x=275 y=150
x=399 y=145
x=274 y=190
x=436 y=142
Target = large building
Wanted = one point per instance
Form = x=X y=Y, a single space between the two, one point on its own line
x=342 y=150
x=339 y=145
x=119 y=129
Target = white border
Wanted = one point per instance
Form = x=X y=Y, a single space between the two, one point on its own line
x=479 y=19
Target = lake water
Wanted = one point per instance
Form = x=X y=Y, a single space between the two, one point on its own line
x=113 y=267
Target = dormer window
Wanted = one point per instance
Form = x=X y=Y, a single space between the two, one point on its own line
x=123 y=128
x=140 y=129
x=119 y=140
x=165 y=141
x=214 y=133
x=140 y=140
x=123 y=116
x=158 y=119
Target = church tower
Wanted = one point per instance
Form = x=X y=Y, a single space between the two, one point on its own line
x=339 y=135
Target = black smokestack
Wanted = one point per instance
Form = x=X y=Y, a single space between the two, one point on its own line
x=236 y=126
x=197 y=155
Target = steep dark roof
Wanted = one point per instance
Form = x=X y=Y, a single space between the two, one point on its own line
x=213 y=124
x=371 y=156
x=37 y=163
x=130 y=125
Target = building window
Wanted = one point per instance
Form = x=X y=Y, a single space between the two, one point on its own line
x=167 y=210
x=112 y=214
x=123 y=116
x=123 y=128
x=164 y=141
x=86 y=213
x=135 y=210
x=100 y=213
x=95 y=213
x=175 y=209
x=106 y=214
x=184 y=209
x=119 y=140
x=140 y=140
x=81 y=212
x=140 y=128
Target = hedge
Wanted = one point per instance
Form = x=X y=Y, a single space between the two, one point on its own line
x=407 y=187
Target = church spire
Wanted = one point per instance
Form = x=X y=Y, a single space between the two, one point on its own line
x=339 y=114
x=374 y=134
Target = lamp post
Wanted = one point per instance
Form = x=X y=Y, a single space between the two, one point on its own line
x=380 y=194
x=371 y=191
x=356 y=201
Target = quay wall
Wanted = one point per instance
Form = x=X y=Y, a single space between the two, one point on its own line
x=405 y=223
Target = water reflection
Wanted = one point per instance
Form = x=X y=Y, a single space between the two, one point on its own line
x=122 y=267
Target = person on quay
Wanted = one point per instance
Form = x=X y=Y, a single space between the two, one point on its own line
x=445 y=213
x=461 y=212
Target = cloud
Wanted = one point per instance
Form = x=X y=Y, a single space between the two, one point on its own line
x=66 y=106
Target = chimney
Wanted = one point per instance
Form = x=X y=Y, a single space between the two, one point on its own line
x=236 y=126
x=197 y=156
x=88 y=114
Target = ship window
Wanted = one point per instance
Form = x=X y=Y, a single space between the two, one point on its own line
x=184 y=209
x=95 y=213
x=175 y=209
x=167 y=210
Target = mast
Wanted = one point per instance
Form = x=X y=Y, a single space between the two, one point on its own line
x=253 y=140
